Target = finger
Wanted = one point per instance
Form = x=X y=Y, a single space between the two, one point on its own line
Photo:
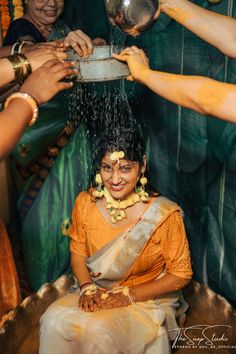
x=97 y=300
x=90 y=304
x=64 y=85
x=61 y=54
x=81 y=44
x=63 y=73
x=86 y=306
x=121 y=57
x=50 y=63
x=77 y=48
x=125 y=50
x=88 y=41
x=59 y=66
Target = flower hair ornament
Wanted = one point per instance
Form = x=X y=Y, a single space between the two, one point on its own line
x=117 y=156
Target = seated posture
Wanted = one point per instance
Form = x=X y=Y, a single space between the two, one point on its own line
x=130 y=256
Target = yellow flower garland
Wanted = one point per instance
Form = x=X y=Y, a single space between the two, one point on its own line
x=18 y=8
x=5 y=16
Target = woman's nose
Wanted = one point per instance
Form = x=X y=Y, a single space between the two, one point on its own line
x=116 y=178
x=52 y=3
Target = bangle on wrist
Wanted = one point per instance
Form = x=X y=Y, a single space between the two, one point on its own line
x=88 y=290
x=28 y=98
x=84 y=284
x=125 y=291
x=17 y=47
x=21 y=66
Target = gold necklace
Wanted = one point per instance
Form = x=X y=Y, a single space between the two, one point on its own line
x=116 y=208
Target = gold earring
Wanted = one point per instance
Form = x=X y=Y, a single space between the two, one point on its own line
x=99 y=191
x=141 y=190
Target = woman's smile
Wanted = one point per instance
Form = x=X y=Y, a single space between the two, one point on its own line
x=116 y=188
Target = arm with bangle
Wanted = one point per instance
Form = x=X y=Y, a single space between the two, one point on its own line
x=21 y=108
x=90 y=295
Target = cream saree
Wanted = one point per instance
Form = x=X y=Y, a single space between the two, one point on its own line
x=137 y=328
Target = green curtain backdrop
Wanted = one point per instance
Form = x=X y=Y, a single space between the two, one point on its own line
x=192 y=158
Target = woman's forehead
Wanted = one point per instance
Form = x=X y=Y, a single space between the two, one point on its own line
x=107 y=159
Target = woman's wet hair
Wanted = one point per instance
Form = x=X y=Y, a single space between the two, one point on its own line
x=122 y=139
x=126 y=139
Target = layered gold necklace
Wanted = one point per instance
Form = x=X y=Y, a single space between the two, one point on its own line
x=116 y=208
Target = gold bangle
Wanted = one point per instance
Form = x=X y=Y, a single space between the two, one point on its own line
x=26 y=64
x=17 y=47
x=21 y=66
x=28 y=98
x=18 y=67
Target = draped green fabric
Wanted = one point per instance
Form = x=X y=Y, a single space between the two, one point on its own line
x=191 y=157
x=45 y=247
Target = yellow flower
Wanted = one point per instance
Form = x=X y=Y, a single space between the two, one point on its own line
x=98 y=178
x=116 y=155
x=143 y=181
x=98 y=194
x=113 y=219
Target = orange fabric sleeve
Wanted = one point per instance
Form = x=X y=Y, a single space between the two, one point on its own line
x=78 y=243
x=175 y=247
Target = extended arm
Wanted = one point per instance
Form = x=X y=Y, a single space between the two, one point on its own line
x=42 y=85
x=216 y=29
x=201 y=94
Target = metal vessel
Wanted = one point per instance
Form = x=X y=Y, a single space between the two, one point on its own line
x=99 y=66
x=132 y=16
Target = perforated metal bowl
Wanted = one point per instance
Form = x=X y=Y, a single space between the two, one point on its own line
x=99 y=66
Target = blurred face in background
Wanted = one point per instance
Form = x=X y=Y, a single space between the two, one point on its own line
x=45 y=12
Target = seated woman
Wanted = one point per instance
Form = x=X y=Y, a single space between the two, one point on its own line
x=130 y=256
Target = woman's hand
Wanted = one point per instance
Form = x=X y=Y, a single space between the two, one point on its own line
x=137 y=62
x=89 y=303
x=39 y=54
x=115 y=300
x=46 y=82
x=80 y=42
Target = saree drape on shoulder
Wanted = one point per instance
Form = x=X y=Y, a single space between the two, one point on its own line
x=137 y=328
x=48 y=170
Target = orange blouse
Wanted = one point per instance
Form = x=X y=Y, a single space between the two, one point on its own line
x=167 y=248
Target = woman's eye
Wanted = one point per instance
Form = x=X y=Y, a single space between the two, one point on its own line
x=106 y=167
x=125 y=168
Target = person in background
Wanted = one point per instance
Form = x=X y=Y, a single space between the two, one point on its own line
x=52 y=156
x=41 y=23
x=21 y=109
